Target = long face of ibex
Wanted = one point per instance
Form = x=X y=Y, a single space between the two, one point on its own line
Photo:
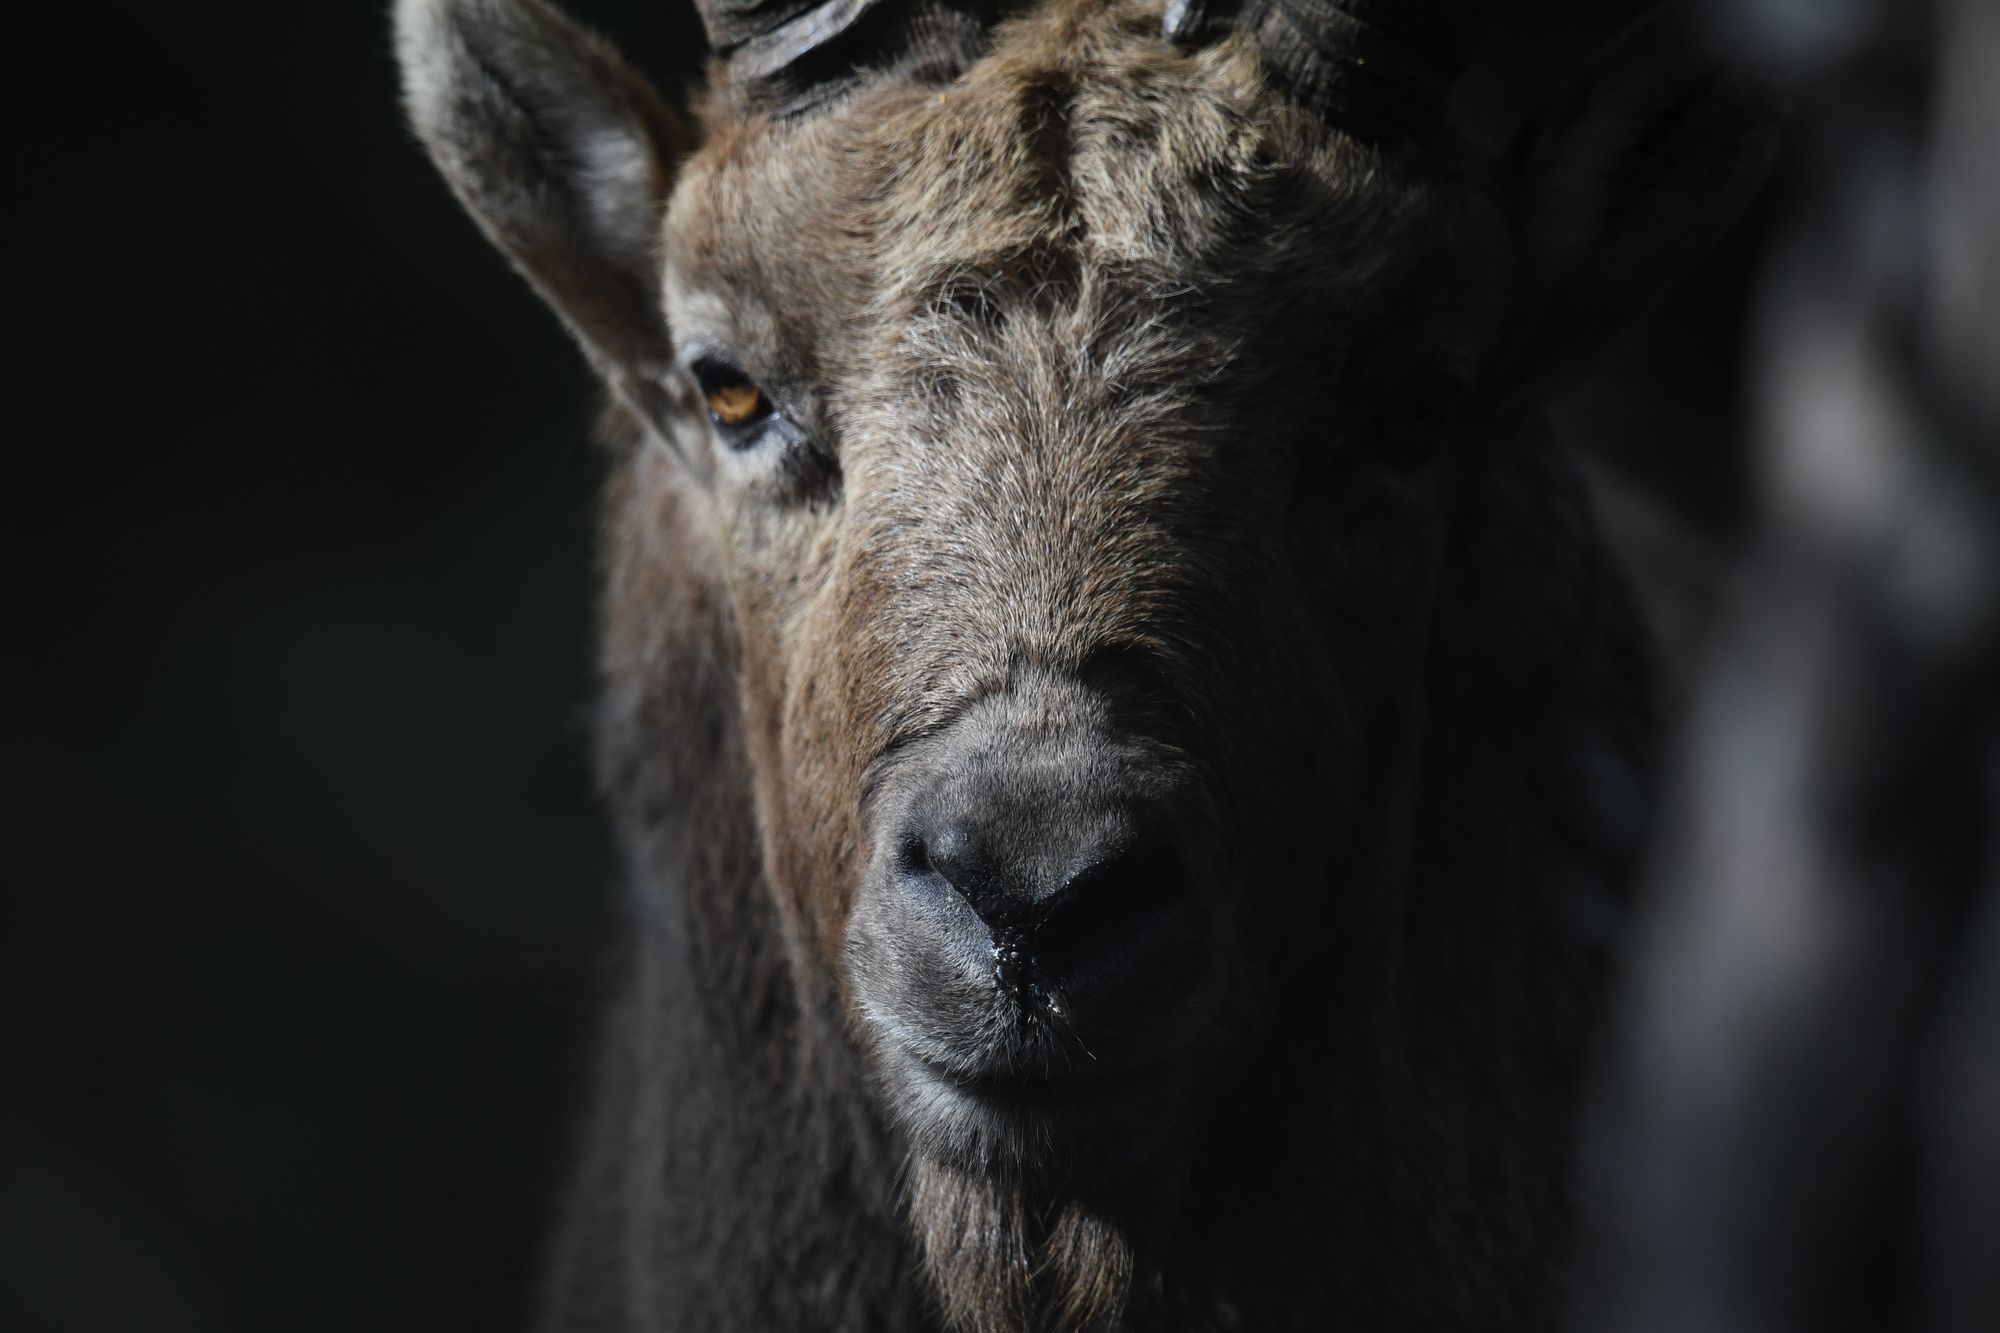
x=1067 y=423
x=1075 y=433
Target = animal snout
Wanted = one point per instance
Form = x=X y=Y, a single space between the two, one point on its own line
x=1038 y=947
x=1061 y=880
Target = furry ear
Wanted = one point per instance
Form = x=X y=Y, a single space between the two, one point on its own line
x=1620 y=183
x=564 y=157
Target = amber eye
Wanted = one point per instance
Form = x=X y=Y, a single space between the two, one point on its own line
x=733 y=401
x=735 y=404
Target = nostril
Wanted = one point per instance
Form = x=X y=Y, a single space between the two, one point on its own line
x=941 y=853
x=1085 y=878
x=1145 y=879
x=913 y=856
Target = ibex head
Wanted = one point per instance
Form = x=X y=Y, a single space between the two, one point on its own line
x=1108 y=438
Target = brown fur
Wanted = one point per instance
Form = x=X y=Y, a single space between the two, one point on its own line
x=1078 y=184
x=1096 y=346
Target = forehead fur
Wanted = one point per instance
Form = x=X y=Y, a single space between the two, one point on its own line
x=1081 y=150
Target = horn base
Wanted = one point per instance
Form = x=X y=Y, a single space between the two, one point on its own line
x=788 y=57
x=1378 y=70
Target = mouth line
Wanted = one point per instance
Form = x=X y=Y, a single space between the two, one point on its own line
x=1018 y=1091
x=1029 y=1126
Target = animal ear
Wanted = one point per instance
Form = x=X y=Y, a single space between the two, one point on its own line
x=564 y=156
x=1621 y=182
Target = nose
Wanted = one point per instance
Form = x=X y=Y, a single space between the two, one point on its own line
x=1062 y=885
x=1018 y=874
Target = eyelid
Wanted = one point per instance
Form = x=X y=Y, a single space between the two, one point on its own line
x=714 y=368
x=710 y=364
x=700 y=350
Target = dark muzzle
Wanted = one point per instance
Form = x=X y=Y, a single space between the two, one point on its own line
x=1037 y=945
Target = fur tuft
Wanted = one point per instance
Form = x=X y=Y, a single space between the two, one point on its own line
x=1005 y=1259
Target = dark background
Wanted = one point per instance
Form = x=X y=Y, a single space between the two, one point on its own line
x=305 y=887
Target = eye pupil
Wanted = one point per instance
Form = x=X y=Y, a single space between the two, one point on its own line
x=735 y=404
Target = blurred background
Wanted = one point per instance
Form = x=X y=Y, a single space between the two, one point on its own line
x=306 y=888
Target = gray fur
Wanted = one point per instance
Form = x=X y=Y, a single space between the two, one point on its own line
x=1081 y=345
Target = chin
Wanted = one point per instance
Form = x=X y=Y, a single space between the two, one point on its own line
x=1090 y=1124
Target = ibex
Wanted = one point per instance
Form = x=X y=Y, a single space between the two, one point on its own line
x=1129 y=745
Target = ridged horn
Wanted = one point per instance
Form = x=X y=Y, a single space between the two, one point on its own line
x=1376 y=69
x=788 y=56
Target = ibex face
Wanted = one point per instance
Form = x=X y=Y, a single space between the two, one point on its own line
x=1082 y=516
x=1071 y=422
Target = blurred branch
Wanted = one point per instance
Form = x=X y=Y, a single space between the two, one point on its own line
x=1806 y=1135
